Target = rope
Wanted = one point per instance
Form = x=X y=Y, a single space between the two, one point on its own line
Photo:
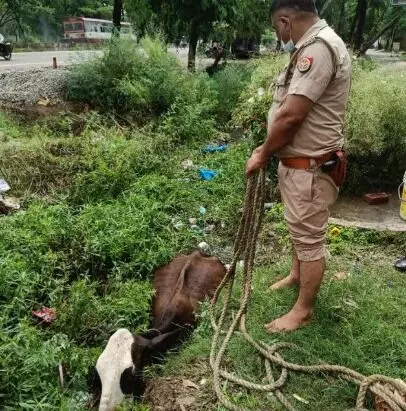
x=245 y=247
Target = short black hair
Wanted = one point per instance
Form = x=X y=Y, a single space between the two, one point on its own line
x=308 y=6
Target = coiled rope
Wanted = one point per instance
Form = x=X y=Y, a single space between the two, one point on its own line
x=245 y=247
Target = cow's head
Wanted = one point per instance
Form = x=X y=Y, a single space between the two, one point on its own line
x=118 y=372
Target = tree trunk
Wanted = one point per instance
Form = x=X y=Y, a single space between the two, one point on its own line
x=117 y=12
x=327 y=4
x=193 y=39
x=362 y=16
x=372 y=40
x=354 y=23
x=341 y=20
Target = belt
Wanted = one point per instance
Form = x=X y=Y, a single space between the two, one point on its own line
x=304 y=163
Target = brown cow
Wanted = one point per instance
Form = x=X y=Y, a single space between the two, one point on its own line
x=179 y=287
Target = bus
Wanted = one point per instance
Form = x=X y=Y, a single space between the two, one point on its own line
x=88 y=30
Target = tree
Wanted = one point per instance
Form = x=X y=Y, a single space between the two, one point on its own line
x=117 y=13
x=197 y=17
x=361 y=22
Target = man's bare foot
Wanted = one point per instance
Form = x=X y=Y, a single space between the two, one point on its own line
x=289 y=281
x=295 y=319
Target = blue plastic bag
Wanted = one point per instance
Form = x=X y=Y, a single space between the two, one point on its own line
x=215 y=149
x=207 y=175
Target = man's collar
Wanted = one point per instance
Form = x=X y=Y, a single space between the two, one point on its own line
x=312 y=31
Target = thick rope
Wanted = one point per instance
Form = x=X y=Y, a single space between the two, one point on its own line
x=245 y=247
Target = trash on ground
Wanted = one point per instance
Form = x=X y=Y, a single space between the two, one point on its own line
x=215 y=148
x=196 y=228
x=45 y=315
x=188 y=165
x=192 y=221
x=45 y=102
x=207 y=175
x=351 y=303
x=401 y=264
x=261 y=92
x=8 y=204
x=269 y=206
x=178 y=225
x=189 y=384
x=202 y=210
x=300 y=399
x=335 y=232
x=4 y=186
x=209 y=228
x=341 y=276
x=377 y=198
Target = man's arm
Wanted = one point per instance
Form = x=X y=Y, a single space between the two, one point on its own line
x=287 y=121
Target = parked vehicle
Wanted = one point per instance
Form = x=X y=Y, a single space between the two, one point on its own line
x=6 y=49
x=244 y=48
x=86 y=30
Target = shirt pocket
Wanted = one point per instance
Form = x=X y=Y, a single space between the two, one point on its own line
x=281 y=88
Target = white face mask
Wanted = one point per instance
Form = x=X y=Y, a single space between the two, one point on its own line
x=288 y=47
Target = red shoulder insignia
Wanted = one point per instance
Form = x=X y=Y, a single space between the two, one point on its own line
x=305 y=64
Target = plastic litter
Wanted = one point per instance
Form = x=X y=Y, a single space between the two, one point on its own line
x=207 y=175
x=202 y=210
x=215 y=149
x=188 y=165
x=192 y=221
x=204 y=246
x=45 y=315
x=8 y=204
x=401 y=264
x=4 y=187
x=179 y=225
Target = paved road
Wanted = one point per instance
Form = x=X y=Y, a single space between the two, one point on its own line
x=31 y=60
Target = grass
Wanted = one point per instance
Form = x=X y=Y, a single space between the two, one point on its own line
x=359 y=324
x=102 y=203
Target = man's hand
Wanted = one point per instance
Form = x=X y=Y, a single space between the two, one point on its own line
x=257 y=161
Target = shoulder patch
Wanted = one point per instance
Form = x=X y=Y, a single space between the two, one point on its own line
x=305 y=64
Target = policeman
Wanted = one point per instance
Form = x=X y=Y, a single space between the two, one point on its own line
x=305 y=131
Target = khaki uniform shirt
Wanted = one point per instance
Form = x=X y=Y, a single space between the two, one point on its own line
x=326 y=83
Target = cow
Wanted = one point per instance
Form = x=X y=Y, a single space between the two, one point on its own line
x=179 y=287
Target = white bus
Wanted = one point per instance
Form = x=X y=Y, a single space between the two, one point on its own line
x=87 y=30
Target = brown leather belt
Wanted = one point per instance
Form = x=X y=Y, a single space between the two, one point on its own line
x=304 y=163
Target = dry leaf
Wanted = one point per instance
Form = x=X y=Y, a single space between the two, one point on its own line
x=190 y=384
x=301 y=399
x=341 y=276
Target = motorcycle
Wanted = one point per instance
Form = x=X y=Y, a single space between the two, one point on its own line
x=6 y=49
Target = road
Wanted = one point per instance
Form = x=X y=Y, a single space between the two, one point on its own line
x=32 y=60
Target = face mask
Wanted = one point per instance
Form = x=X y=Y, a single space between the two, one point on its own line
x=288 y=47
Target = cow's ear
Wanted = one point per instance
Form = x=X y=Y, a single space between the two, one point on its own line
x=166 y=340
x=94 y=384
x=131 y=382
x=94 y=387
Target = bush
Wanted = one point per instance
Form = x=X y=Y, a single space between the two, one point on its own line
x=128 y=78
x=375 y=121
x=376 y=130
x=229 y=84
